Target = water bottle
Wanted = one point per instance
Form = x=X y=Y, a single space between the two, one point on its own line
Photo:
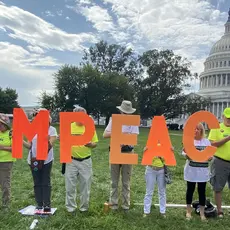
x=34 y=223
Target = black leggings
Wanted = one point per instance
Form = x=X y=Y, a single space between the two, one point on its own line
x=201 y=191
x=42 y=185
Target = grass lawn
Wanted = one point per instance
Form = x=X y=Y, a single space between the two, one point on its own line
x=22 y=196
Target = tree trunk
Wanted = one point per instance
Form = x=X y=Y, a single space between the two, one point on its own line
x=98 y=119
x=107 y=120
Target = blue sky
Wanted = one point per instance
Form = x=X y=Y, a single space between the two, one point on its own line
x=37 y=37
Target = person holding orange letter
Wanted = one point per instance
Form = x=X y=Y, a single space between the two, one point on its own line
x=123 y=169
x=197 y=173
x=6 y=159
x=220 y=167
x=40 y=169
x=80 y=169
x=155 y=173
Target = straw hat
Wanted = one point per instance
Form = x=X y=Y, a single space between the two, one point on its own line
x=126 y=107
x=5 y=120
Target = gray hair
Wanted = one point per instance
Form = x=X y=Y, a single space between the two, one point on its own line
x=79 y=109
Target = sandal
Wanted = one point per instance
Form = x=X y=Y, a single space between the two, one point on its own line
x=188 y=216
x=220 y=214
x=203 y=218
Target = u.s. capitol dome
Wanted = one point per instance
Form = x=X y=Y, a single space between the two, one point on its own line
x=215 y=80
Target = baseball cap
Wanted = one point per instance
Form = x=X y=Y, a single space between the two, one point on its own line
x=227 y=112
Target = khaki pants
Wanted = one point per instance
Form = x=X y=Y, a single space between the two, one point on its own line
x=5 y=182
x=125 y=170
x=78 y=171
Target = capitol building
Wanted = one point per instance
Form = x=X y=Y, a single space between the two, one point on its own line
x=215 y=80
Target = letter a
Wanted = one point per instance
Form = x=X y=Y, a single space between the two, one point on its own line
x=159 y=144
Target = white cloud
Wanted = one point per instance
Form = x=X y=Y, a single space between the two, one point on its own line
x=17 y=57
x=18 y=66
x=37 y=32
x=189 y=27
x=59 y=12
x=84 y=2
x=67 y=18
x=49 y=13
x=98 y=16
x=36 y=49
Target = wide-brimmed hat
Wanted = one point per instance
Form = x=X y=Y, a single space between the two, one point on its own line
x=126 y=107
x=5 y=120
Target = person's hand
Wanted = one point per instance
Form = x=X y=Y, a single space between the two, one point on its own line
x=210 y=158
x=145 y=148
x=88 y=144
x=172 y=148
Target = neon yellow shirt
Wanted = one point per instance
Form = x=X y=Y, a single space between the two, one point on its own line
x=6 y=140
x=218 y=134
x=157 y=162
x=81 y=151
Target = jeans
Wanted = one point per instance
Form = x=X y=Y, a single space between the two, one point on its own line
x=42 y=185
x=152 y=177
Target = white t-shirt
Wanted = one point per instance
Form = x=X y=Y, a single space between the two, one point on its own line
x=125 y=128
x=52 y=133
x=197 y=174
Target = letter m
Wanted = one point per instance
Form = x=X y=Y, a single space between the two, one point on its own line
x=23 y=127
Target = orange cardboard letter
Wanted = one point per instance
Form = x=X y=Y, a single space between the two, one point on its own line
x=118 y=138
x=188 y=135
x=67 y=140
x=39 y=126
x=159 y=144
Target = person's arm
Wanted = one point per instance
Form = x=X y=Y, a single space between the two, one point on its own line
x=4 y=148
x=221 y=142
x=52 y=138
x=91 y=145
x=185 y=155
x=27 y=144
x=107 y=132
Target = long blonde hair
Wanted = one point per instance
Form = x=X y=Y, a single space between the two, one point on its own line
x=201 y=127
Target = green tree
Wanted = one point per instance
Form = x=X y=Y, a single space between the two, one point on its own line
x=113 y=58
x=8 y=100
x=161 y=91
x=98 y=93
x=195 y=103
x=114 y=89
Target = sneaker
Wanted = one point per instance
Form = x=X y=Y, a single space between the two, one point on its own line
x=47 y=209
x=38 y=210
x=145 y=215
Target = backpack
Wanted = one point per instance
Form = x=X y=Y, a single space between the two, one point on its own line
x=209 y=210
